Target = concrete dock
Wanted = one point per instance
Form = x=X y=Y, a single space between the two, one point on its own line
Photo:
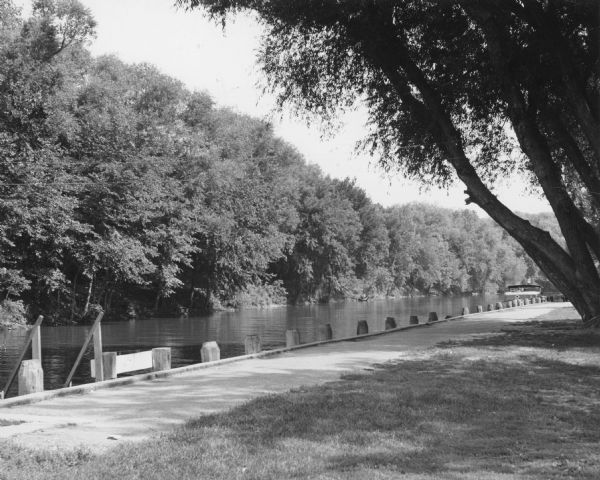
x=103 y=418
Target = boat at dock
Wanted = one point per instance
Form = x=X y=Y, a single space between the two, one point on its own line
x=523 y=290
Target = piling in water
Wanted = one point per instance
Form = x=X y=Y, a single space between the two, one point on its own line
x=109 y=365
x=161 y=359
x=31 y=377
x=324 y=332
x=210 y=352
x=362 y=327
x=292 y=338
x=252 y=344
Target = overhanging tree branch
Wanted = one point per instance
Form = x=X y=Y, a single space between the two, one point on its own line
x=536 y=242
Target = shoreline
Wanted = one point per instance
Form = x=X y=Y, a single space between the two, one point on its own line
x=126 y=410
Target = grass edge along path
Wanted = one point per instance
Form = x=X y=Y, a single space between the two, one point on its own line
x=522 y=404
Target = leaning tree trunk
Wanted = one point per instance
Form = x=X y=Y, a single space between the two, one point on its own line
x=573 y=272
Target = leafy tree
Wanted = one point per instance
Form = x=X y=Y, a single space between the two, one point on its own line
x=475 y=88
x=320 y=265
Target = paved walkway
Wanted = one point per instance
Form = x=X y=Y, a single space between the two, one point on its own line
x=138 y=411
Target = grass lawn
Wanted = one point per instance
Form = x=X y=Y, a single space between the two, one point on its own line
x=522 y=404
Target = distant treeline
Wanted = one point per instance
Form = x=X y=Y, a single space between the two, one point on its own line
x=122 y=190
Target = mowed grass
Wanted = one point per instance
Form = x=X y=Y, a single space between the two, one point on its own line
x=524 y=404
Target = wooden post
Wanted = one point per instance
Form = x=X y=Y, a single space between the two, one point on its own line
x=390 y=322
x=161 y=359
x=36 y=343
x=498 y=305
x=490 y=307
x=433 y=317
x=98 y=363
x=362 y=328
x=83 y=350
x=324 y=332
x=210 y=352
x=479 y=308
x=252 y=344
x=16 y=368
x=31 y=377
x=465 y=311
x=109 y=365
x=292 y=338
x=414 y=320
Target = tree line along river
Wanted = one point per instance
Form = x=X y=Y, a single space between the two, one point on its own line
x=61 y=344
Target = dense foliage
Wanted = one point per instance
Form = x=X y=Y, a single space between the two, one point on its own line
x=467 y=89
x=122 y=190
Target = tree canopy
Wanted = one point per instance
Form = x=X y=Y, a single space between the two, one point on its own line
x=473 y=89
x=120 y=189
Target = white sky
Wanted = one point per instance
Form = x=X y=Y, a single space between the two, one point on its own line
x=200 y=53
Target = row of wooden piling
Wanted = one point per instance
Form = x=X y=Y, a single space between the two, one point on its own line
x=107 y=365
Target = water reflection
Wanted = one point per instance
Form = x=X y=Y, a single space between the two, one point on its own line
x=60 y=345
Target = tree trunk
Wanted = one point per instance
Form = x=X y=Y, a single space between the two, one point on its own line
x=88 y=296
x=74 y=296
x=157 y=301
x=581 y=282
x=572 y=272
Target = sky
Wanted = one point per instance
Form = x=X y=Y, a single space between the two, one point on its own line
x=204 y=56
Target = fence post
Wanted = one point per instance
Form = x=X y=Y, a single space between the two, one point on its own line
x=36 y=343
x=82 y=351
x=109 y=365
x=31 y=377
x=252 y=344
x=210 y=352
x=362 y=328
x=98 y=363
x=161 y=359
x=15 y=371
x=292 y=338
x=324 y=332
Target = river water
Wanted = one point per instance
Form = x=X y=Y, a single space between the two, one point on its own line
x=60 y=345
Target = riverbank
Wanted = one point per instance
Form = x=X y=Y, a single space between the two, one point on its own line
x=508 y=401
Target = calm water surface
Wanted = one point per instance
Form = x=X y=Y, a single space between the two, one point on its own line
x=60 y=345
